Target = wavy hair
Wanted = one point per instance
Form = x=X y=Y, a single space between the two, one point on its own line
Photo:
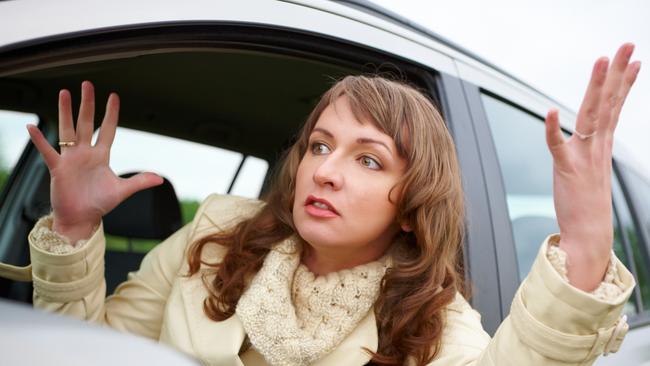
x=427 y=269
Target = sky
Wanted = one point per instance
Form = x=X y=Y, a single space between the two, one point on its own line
x=552 y=46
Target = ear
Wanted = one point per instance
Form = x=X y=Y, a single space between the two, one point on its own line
x=406 y=227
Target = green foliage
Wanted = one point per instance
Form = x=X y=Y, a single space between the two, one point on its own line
x=4 y=172
x=643 y=277
x=121 y=244
x=188 y=210
x=4 y=175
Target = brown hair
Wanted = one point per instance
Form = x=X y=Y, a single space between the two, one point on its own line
x=427 y=267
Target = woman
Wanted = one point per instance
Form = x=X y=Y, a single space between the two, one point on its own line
x=355 y=255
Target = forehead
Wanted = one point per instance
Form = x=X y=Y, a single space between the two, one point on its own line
x=338 y=118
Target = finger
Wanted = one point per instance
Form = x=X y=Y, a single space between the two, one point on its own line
x=85 y=124
x=66 y=126
x=612 y=93
x=554 y=137
x=588 y=114
x=138 y=183
x=628 y=80
x=109 y=124
x=50 y=156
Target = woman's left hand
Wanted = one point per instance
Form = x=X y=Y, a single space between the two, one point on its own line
x=582 y=170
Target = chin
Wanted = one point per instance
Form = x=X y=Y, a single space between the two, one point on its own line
x=317 y=234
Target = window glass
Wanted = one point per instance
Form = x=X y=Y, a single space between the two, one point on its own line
x=527 y=168
x=195 y=171
x=526 y=165
x=624 y=230
x=251 y=177
x=13 y=139
x=640 y=191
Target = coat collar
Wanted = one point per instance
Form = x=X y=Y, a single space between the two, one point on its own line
x=214 y=343
x=218 y=343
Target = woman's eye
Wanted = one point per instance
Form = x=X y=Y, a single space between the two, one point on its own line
x=369 y=162
x=318 y=148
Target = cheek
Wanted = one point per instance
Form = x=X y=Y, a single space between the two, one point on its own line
x=302 y=178
x=370 y=200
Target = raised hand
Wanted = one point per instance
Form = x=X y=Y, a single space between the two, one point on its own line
x=582 y=170
x=83 y=187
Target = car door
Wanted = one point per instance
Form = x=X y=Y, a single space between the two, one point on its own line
x=241 y=83
x=518 y=173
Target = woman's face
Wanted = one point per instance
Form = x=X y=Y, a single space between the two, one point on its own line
x=342 y=186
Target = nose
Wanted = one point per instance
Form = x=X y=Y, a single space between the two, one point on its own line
x=329 y=172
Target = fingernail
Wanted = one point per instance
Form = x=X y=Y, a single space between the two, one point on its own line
x=637 y=67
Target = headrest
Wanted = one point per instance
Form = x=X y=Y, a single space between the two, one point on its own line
x=153 y=213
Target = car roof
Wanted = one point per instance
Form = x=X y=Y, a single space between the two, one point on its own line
x=102 y=15
x=34 y=22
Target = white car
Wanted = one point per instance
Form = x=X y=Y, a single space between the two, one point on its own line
x=233 y=80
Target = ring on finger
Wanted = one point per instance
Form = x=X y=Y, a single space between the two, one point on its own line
x=67 y=143
x=583 y=136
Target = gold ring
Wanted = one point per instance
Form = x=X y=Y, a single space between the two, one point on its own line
x=67 y=143
x=583 y=136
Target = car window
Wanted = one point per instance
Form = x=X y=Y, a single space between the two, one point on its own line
x=13 y=139
x=639 y=193
x=640 y=189
x=195 y=171
x=526 y=166
x=626 y=246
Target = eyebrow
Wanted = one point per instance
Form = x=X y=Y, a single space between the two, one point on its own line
x=360 y=140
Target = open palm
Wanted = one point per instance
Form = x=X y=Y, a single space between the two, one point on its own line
x=582 y=169
x=83 y=187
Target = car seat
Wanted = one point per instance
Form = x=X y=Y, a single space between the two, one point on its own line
x=153 y=213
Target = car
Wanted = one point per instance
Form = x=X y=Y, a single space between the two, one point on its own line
x=59 y=338
x=232 y=81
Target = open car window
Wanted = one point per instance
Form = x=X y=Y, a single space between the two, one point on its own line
x=194 y=169
x=210 y=108
x=13 y=139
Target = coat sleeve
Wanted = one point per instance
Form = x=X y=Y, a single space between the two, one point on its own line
x=550 y=323
x=73 y=283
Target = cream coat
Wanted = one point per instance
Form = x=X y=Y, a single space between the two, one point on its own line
x=550 y=323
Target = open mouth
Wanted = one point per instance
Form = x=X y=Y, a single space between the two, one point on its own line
x=320 y=204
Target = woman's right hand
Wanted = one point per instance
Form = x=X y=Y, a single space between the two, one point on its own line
x=83 y=188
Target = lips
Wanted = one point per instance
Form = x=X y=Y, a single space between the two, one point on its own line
x=319 y=205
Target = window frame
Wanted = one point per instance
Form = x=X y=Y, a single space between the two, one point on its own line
x=109 y=43
x=502 y=234
x=479 y=241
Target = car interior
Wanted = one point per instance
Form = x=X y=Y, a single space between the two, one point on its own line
x=244 y=100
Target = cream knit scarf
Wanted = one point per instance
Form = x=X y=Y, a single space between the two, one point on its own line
x=293 y=317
